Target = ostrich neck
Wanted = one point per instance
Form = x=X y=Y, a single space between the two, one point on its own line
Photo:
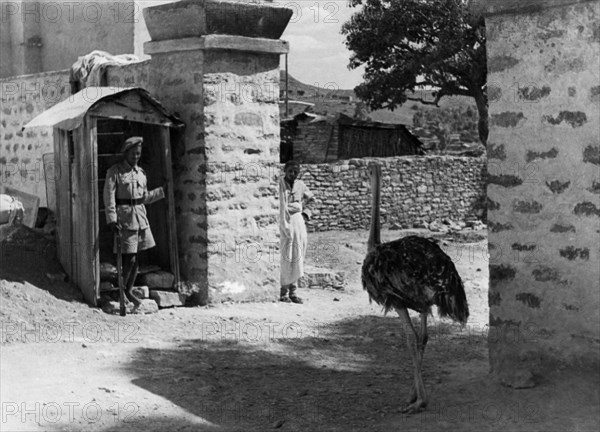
x=374 y=239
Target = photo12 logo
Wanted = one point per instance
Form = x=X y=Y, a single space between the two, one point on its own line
x=255 y=332
x=69 y=12
x=495 y=413
x=51 y=412
x=68 y=331
x=326 y=12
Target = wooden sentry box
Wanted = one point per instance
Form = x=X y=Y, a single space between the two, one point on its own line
x=89 y=129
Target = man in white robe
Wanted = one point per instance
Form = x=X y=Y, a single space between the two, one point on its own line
x=292 y=229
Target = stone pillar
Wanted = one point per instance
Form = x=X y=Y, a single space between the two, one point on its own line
x=543 y=167
x=216 y=64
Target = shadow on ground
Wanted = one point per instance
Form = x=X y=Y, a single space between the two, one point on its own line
x=29 y=255
x=354 y=375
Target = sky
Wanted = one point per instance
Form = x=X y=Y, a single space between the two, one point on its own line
x=318 y=55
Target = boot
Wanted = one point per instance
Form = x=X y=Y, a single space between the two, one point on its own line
x=283 y=294
x=293 y=297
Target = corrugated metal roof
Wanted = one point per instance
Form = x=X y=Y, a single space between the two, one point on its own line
x=69 y=113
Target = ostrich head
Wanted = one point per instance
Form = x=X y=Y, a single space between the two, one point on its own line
x=375 y=174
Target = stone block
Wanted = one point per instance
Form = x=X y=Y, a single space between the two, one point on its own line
x=142 y=292
x=107 y=286
x=322 y=278
x=108 y=272
x=114 y=308
x=154 y=280
x=436 y=226
x=517 y=378
x=165 y=299
x=147 y=306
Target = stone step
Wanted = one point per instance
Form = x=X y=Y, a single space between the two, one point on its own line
x=166 y=299
x=147 y=306
x=322 y=278
x=156 y=280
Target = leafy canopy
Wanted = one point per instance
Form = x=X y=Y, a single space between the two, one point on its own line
x=412 y=45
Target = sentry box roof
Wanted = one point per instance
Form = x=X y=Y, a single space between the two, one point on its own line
x=133 y=103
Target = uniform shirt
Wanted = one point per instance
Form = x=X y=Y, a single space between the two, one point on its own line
x=126 y=182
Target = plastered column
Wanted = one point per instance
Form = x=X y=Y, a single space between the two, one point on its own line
x=544 y=184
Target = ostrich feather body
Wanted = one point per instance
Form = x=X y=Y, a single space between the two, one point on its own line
x=413 y=272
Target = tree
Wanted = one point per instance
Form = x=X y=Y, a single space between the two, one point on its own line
x=360 y=111
x=444 y=122
x=411 y=46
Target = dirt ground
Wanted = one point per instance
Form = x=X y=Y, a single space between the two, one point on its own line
x=334 y=363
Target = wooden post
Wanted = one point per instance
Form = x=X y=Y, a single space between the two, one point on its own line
x=287 y=113
x=122 y=308
x=170 y=197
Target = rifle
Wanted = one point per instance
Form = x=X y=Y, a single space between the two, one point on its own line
x=120 y=274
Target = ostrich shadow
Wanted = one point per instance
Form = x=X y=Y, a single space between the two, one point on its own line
x=348 y=372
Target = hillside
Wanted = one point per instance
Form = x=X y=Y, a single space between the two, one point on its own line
x=330 y=100
x=439 y=121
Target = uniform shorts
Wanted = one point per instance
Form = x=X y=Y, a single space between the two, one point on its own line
x=135 y=240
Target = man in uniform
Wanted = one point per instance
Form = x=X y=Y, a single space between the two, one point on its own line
x=125 y=193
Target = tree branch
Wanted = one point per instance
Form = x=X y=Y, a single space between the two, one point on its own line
x=423 y=101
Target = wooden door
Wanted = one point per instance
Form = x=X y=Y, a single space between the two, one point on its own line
x=85 y=212
x=63 y=159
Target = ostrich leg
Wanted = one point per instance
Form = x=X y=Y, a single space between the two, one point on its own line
x=418 y=398
x=423 y=339
x=422 y=342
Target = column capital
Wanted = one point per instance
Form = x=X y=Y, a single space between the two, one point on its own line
x=195 y=18
x=218 y=42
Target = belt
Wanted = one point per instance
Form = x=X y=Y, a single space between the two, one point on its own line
x=130 y=201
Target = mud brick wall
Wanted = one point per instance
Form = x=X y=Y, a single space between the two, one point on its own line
x=22 y=98
x=310 y=144
x=133 y=75
x=413 y=189
x=544 y=185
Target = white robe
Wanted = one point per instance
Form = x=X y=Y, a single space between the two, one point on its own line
x=293 y=238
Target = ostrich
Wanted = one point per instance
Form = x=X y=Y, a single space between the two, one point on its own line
x=411 y=273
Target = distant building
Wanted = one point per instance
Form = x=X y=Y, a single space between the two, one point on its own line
x=294 y=107
x=312 y=138
x=45 y=35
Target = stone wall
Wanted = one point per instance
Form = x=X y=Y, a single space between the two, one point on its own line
x=225 y=89
x=22 y=99
x=544 y=185
x=241 y=139
x=414 y=189
x=225 y=208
